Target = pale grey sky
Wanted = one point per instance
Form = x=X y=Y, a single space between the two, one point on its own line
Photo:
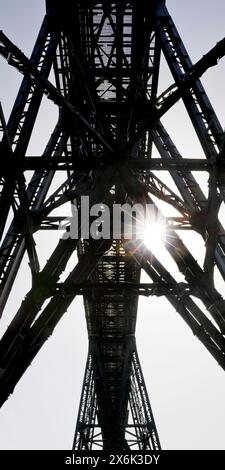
x=185 y=384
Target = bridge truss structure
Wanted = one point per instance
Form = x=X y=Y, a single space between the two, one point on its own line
x=105 y=57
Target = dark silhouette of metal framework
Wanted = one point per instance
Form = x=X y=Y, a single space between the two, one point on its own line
x=106 y=59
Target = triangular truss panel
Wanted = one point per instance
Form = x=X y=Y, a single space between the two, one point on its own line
x=105 y=56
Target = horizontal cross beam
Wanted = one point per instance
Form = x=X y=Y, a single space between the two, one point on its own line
x=122 y=288
x=86 y=165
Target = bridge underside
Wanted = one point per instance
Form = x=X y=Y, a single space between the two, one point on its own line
x=105 y=56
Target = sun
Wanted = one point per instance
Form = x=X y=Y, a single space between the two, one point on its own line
x=154 y=236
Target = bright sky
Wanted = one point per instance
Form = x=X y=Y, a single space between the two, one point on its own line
x=185 y=384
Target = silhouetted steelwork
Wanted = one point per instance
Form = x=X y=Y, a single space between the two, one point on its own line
x=106 y=59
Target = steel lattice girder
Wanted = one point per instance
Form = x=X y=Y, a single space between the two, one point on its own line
x=106 y=60
x=90 y=431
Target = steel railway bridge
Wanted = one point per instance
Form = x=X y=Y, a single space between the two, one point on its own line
x=105 y=56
